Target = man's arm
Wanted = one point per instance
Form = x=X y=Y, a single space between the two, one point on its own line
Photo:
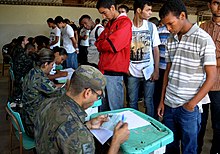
x=218 y=62
x=121 y=134
x=75 y=44
x=156 y=54
x=160 y=109
x=207 y=85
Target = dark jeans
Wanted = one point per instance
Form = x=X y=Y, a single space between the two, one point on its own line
x=204 y=118
x=82 y=56
x=215 y=118
x=185 y=126
x=133 y=90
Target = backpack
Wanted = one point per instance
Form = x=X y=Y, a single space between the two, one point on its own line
x=96 y=32
x=150 y=26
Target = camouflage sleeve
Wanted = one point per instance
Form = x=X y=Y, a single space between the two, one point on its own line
x=22 y=65
x=75 y=139
x=46 y=86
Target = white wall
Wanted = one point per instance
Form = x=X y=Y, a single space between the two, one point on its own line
x=16 y=20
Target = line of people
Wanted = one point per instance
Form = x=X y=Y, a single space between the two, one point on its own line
x=176 y=70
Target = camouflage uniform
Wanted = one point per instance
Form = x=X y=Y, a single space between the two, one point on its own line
x=60 y=122
x=22 y=64
x=36 y=88
x=60 y=128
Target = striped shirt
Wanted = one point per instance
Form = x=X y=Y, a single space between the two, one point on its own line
x=188 y=57
x=164 y=34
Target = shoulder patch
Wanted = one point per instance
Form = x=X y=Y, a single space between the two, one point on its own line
x=87 y=148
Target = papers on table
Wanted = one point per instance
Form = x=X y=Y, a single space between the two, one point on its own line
x=107 y=128
x=70 y=73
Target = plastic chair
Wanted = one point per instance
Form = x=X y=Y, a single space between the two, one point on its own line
x=16 y=125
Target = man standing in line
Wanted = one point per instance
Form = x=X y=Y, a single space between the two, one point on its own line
x=144 y=60
x=190 y=74
x=114 y=47
x=213 y=28
x=83 y=46
x=69 y=42
x=123 y=9
x=96 y=30
x=54 y=34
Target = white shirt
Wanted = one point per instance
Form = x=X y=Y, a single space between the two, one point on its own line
x=84 y=32
x=93 y=54
x=53 y=33
x=67 y=34
x=141 y=49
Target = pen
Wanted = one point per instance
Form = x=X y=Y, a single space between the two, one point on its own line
x=123 y=118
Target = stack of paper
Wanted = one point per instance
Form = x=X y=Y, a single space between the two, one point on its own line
x=107 y=128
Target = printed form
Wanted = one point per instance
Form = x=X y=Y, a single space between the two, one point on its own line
x=107 y=128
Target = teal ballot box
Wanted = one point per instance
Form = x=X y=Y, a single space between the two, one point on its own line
x=146 y=134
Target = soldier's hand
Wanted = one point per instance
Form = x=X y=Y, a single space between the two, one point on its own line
x=121 y=133
x=95 y=123
x=62 y=73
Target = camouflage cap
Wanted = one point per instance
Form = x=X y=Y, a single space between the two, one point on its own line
x=92 y=76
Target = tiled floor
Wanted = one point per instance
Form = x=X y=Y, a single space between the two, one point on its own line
x=4 y=126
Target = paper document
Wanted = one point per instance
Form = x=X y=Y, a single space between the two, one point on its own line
x=70 y=73
x=107 y=128
x=147 y=71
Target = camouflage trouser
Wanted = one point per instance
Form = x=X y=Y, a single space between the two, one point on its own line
x=28 y=125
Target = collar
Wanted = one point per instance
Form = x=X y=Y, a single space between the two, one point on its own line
x=191 y=31
x=214 y=23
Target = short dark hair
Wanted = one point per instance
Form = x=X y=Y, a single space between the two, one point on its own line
x=20 y=39
x=154 y=20
x=50 y=20
x=61 y=50
x=43 y=56
x=83 y=17
x=124 y=7
x=58 y=19
x=105 y=4
x=140 y=4
x=67 y=21
x=104 y=20
x=97 y=20
x=173 y=6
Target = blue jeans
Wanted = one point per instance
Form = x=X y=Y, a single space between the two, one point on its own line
x=185 y=126
x=204 y=119
x=215 y=118
x=71 y=61
x=114 y=92
x=133 y=88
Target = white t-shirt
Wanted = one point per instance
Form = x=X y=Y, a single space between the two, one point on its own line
x=141 y=49
x=53 y=70
x=84 y=32
x=93 y=54
x=67 y=33
x=53 y=33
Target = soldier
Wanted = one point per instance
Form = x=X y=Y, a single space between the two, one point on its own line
x=60 y=126
x=37 y=87
x=22 y=64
